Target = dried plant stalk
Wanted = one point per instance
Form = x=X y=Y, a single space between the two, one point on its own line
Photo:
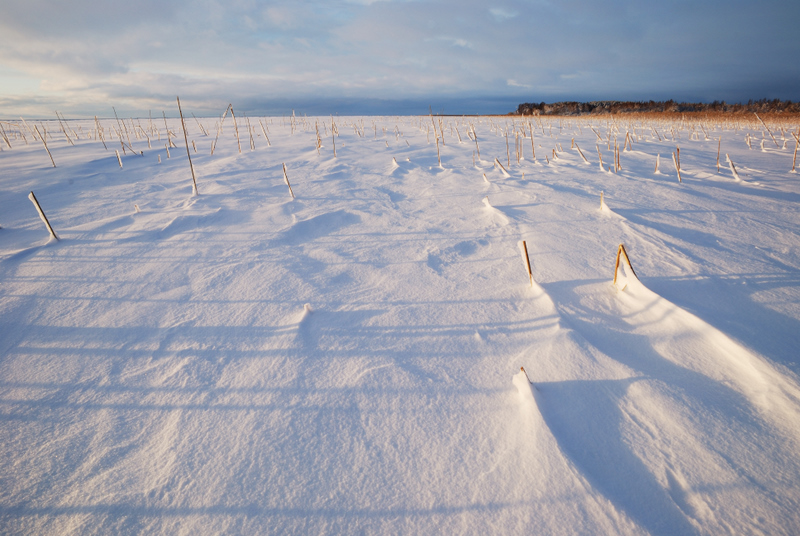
x=286 y=178
x=733 y=168
x=579 y=151
x=263 y=130
x=35 y=202
x=236 y=128
x=527 y=261
x=250 y=130
x=186 y=140
x=45 y=145
x=768 y=130
x=496 y=161
x=621 y=251
x=5 y=137
x=508 y=153
x=219 y=129
x=526 y=374
x=533 y=149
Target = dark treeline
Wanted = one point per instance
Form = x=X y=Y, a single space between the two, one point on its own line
x=621 y=107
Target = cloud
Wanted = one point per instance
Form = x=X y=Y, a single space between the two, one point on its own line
x=513 y=83
x=456 y=42
x=501 y=14
x=141 y=54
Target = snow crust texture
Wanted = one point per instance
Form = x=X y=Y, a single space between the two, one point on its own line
x=348 y=360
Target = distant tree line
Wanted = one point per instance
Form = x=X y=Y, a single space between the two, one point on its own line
x=621 y=107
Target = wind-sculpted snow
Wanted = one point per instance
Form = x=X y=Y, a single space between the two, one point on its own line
x=348 y=360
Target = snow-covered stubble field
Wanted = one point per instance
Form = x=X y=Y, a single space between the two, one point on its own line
x=348 y=361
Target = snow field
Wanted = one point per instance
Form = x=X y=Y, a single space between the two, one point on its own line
x=349 y=360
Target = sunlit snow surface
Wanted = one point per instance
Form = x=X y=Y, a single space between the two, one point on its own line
x=349 y=361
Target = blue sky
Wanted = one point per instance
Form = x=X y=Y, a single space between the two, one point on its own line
x=387 y=56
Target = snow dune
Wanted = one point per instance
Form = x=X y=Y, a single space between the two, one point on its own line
x=349 y=360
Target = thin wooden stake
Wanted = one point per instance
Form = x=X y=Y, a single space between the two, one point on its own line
x=42 y=216
x=118 y=158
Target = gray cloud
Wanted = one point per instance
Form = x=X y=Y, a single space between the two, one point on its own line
x=138 y=55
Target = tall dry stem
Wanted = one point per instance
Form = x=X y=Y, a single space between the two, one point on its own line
x=188 y=154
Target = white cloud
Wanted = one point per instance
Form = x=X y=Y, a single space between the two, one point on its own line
x=501 y=14
x=456 y=42
x=513 y=83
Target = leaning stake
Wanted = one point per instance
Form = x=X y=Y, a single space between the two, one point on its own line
x=621 y=251
x=286 y=178
x=526 y=374
x=527 y=261
x=45 y=145
x=41 y=215
x=186 y=139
